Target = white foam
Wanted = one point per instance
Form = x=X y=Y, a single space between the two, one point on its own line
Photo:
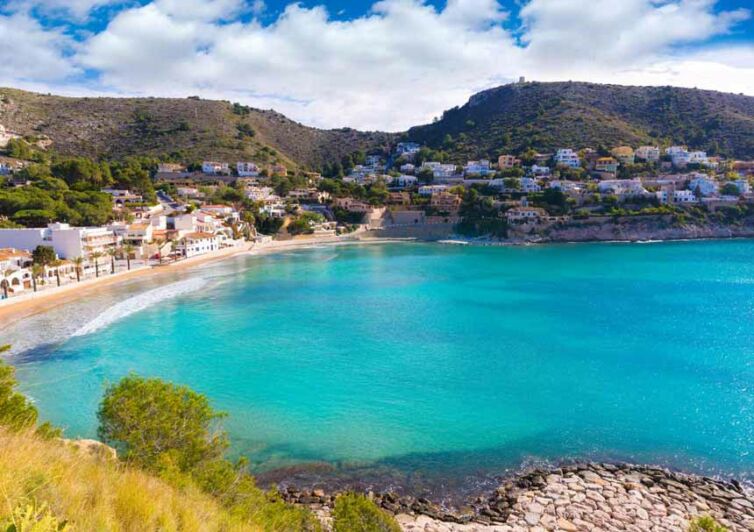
x=140 y=302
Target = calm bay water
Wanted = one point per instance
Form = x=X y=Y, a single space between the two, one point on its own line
x=452 y=361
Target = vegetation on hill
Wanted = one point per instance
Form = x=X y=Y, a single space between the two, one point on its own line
x=186 y=130
x=508 y=119
x=546 y=116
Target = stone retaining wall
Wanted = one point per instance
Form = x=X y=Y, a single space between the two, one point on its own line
x=588 y=497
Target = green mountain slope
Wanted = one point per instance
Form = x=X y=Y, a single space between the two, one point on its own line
x=545 y=116
x=510 y=118
x=187 y=129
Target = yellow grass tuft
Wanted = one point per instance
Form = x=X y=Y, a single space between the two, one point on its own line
x=94 y=493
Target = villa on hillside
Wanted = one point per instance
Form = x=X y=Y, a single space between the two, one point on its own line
x=215 y=168
x=567 y=157
x=525 y=215
x=246 y=169
x=651 y=154
x=507 y=161
x=445 y=202
x=606 y=164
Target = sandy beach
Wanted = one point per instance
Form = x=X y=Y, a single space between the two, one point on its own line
x=15 y=309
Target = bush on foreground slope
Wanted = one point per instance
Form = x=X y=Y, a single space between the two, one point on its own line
x=357 y=513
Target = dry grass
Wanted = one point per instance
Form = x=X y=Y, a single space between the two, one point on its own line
x=98 y=494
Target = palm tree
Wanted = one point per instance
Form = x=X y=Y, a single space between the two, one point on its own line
x=173 y=248
x=112 y=252
x=159 y=248
x=78 y=261
x=97 y=255
x=36 y=271
x=128 y=249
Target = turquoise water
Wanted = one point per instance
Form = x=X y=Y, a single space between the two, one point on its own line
x=454 y=361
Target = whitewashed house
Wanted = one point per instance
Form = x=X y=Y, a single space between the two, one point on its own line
x=215 y=168
x=194 y=244
x=567 y=157
x=404 y=181
x=247 y=169
x=481 y=167
x=703 y=185
x=68 y=242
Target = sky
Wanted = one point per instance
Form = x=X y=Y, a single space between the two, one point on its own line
x=372 y=65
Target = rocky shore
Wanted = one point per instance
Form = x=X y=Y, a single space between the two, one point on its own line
x=577 y=497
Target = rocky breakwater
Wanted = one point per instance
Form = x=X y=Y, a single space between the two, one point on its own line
x=586 y=497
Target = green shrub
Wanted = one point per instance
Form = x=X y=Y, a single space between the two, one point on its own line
x=152 y=422
x=356 y=513
x=706 y=523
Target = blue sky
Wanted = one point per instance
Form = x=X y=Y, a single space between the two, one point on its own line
x=384 y=64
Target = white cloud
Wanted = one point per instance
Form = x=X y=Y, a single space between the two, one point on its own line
x=78 y=9
x=395 y=66
x=601 y=33
x=29 y=52
x=404 y=61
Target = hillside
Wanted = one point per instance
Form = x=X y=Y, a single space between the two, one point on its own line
x=94 y=493
x=545 y=116
x=188 y=129
x=506 y=119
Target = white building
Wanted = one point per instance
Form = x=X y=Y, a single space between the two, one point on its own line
x=261 y=194
x=428 y=190
x=275 y=209
x=68 y=242
x=703 y=185
x=246 y=169
x=185 y=223
x=215 y=168
x=567 y=157
x=525 y=215
x=529 y=184
x=219 y=210
x=525 y=184
x=197 y=244
x=407 y=148
x=481 y=167
x=622 y=187
x=675 y=150
x=439 y=170
x=698 y=157
x=408 y=168
x=684 y=196
x=539 y=171
x=404 y=181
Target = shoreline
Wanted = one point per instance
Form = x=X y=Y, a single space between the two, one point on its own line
x=573 y=496
x=27 y=305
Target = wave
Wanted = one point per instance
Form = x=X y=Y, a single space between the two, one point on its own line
x=140 y=302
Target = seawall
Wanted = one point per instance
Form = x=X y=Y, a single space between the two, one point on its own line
x=573 y=498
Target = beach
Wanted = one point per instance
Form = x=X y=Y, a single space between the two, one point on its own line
x=20 y=307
